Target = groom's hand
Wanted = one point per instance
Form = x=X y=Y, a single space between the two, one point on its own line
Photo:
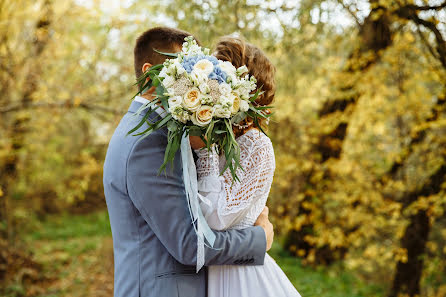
x=264 y=222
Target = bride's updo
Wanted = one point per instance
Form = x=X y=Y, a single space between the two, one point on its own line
x=239 y=53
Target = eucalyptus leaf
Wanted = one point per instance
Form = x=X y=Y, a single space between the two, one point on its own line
x=173 y=55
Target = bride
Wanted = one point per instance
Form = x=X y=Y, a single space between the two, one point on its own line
x=236 y=205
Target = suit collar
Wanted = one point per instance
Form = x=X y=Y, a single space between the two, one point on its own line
x=134 y=106
x=139 y=101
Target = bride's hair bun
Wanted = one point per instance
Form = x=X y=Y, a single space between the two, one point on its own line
x=239 y=53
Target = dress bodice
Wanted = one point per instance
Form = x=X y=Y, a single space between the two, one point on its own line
x=236 y=205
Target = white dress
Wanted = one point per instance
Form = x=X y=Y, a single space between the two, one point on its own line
x=238 y=207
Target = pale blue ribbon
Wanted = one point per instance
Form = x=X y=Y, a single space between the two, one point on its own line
x=190 y=183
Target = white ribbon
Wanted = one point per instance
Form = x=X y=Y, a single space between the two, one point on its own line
x=190 y=183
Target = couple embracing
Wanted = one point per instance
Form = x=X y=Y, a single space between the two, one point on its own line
x=154 y=238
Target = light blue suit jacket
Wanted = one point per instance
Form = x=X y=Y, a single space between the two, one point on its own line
x=154 y=240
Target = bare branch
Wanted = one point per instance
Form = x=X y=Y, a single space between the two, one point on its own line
x=410 y=13
x=427 y=7
x=427 y=44
x=63 y=105
x=352 y=13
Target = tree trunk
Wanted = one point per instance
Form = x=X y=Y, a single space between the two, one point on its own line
x=407 y=276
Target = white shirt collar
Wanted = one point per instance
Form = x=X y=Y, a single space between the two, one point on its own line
x=160 y=111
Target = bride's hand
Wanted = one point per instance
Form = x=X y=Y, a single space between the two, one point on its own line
x=196 y=142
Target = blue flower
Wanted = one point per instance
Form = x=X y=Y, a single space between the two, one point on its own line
x=189 y=62
x=218 y=75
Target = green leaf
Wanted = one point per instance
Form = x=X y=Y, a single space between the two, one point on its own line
x=256 y=94
x=238 y=117
x=173 y=55
x=143 y=120
x=264 y=107
x=195 y=131
x=159 y=124
x=172 y=126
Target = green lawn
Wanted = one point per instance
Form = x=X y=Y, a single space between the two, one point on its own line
x=76 y=254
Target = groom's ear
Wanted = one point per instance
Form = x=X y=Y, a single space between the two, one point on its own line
x=145 y=67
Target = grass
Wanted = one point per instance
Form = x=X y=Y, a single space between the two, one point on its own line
x=77 y=255
x=322 y=281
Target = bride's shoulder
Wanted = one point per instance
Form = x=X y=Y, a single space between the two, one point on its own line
x=255 y=138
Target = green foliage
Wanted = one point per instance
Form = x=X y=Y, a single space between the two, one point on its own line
x=358 y=132
x=77 y=248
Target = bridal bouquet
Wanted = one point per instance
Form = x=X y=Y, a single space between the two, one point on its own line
x=203 y=96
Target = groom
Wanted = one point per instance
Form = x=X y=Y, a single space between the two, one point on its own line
x=154 y=241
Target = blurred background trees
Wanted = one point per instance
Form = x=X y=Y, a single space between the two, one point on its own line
x=359 y=132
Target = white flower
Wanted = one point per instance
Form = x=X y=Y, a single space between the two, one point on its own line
x=198 y=77
x=222 y=111
x=227 y=67
x=204 y=88
x=241 y=70
x=244 y=105
x=204 y=66
x=179 y=114
x=170 y=68
x=203 y=116
x=179 y=69
x=226 y=100
x=175 y=101
x=206 y=100
x=235 y=104
x=190 y=47
x=163 y=72
x=191 y=100
x=225 y=89
x=169 y=92
x=244 y=86
x=168 y=81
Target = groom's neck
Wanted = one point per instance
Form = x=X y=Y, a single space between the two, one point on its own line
x=150 y=94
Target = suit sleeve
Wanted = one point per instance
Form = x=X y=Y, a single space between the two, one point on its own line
x=161 y=200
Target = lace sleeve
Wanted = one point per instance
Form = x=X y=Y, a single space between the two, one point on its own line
x=228 y=201
x=207 y=163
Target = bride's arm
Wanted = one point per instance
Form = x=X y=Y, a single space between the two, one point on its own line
x=223 y=202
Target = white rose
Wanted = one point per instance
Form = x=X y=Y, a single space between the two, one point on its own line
x=235 y=104
x=175 y=101
x=221 y=111
x=204 y=66
x=203 y=116
x=244 y=105
x=191 y=100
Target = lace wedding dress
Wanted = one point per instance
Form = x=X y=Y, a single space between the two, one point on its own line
x=236 y=207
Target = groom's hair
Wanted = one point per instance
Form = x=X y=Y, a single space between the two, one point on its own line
x=163 y=39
